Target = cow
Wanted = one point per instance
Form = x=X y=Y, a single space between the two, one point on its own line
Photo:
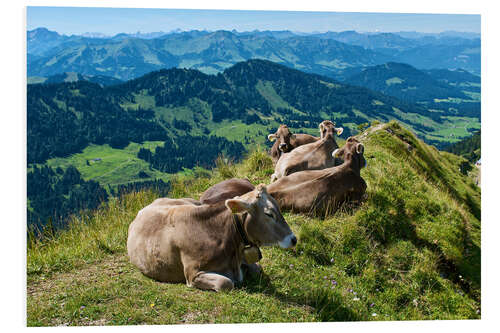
x=203 y=245
x=226 y=189
x=321 y=191
x=285 y=141
x=311 y=156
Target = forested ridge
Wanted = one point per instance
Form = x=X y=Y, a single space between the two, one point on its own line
x=470 y=148
x=405 y=82
x=64 y=118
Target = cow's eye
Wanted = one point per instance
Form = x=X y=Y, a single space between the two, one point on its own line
x=269 y=214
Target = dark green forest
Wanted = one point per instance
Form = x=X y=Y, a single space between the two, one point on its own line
x=190 y=151
x=470 y=148
x=55 y=194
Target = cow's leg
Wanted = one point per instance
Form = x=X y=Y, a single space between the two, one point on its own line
x=212 y=281
x=252 y=268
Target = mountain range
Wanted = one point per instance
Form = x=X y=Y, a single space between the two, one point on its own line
x=127 y=56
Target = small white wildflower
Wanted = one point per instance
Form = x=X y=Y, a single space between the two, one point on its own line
x=374 y=314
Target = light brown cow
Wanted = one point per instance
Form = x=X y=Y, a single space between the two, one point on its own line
x=285 y=142
x=320 y=191
x=226 y=189
x=311 y=156
x=201 y=245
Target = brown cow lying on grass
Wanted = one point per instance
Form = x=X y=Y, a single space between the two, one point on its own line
x=311 y=156
x=321 y=191
x=285 y=141
x=200 y=244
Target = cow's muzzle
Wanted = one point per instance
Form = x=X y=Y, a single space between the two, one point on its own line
x=288 y=241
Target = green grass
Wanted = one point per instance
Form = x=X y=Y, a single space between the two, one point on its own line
x=237 y=131
x=117 y=166
x=410 y=251
x=267 y=91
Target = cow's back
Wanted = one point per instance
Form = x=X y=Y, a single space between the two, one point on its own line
x=226 y=189
x=303 y=139
x=295 y=160
x=299 y=191
x=311 y=156
x=317 y=191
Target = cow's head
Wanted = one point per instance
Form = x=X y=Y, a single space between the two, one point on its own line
x=327 y=128
x=283 y=137
x=352 y=151
x=265 y=225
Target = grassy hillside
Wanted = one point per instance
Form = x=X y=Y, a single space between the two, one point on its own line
x=410 y=251
x=110 y=166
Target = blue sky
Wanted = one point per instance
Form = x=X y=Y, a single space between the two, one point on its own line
x=110 y=21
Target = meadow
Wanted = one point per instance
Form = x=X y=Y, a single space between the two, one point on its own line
x=410 y=251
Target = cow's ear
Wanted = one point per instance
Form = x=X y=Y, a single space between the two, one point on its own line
x=237 y=206
x=271 y=137
x=360 y=148
x=339 y=130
